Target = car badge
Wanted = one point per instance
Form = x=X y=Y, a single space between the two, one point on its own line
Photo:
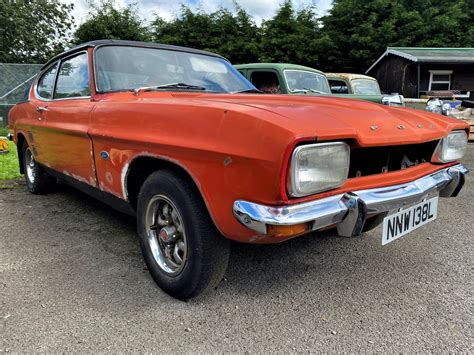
x=104 y=155
x=374 y=127
x=400 y=126
x=419 y=125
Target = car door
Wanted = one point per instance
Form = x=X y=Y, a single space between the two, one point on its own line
x=35 y=110
x=66 y=146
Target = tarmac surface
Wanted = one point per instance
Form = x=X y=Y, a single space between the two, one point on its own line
x=72 y=279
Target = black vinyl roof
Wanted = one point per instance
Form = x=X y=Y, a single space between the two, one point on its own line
x=117 y=42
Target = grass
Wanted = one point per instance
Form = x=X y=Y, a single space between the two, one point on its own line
x=3 y=131
x=9 y=169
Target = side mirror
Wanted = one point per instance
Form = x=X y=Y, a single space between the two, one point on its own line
x=394 y=100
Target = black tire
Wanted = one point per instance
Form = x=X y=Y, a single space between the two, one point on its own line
x=207 y=251
x=40 y=182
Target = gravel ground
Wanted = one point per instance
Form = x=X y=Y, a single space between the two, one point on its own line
x=72 y=279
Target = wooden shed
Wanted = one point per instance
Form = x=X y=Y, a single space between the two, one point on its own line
x=415 y=72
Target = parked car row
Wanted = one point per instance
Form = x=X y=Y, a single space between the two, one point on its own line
x=180 y=139
x=282 y=78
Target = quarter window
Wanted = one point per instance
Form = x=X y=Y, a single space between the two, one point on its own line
x=440 y=80
x=338 y=86
x=73 y=78
x=46 y=83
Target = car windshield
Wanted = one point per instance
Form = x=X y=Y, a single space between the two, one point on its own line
x=365 y=87
x=120 y=68
x=306 y=81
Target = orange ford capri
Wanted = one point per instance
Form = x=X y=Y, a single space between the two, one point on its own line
x=178 y=138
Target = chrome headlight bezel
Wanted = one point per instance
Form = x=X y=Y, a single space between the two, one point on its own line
x=295 y=187
x=451 y=148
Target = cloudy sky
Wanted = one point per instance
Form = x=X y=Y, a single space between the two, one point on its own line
x=259 y=9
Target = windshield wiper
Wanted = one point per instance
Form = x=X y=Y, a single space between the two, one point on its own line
x=299 y=90
x=316 y=91
x=182 y=86
x=305 y=90
x=247 y=91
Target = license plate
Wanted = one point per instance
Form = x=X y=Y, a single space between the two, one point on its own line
x=407 y=220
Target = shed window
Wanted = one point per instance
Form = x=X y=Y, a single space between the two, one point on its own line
x=440 y=80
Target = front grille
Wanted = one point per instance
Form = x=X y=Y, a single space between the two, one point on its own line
x=380 y=160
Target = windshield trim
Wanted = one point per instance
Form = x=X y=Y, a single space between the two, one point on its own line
x=171 y=49
x=305 y=71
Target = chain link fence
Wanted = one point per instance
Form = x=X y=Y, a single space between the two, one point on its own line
x=15 y=80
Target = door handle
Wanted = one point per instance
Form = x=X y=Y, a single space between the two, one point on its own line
x=41 y=109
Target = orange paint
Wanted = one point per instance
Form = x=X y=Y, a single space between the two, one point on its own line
x=234 y=146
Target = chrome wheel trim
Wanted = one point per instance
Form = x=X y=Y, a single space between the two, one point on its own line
x=30 y=166
x=163 y=218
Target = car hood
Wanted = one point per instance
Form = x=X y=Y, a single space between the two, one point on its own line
x=326 y=118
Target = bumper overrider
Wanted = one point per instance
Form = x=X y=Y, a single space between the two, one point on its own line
x=349 y=211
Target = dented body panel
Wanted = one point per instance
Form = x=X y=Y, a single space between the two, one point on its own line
x=233 y=146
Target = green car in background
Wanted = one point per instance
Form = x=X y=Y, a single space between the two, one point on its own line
x=282 y=78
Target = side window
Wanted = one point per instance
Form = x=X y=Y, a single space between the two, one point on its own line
x=338 y=86
x=266 y=81
x=46 y=83
x=73 y=78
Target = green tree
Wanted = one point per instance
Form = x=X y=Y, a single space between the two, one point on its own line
x=354 y=34
x=236 y=35
x=290 y=36
x=107 y=22
x=188 y=29
x=446 y=23
x=31 y=31
x=233 y=35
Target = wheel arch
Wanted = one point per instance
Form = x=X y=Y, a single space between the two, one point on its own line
x=141 y=167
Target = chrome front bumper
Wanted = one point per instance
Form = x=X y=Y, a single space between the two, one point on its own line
x=349 y=211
